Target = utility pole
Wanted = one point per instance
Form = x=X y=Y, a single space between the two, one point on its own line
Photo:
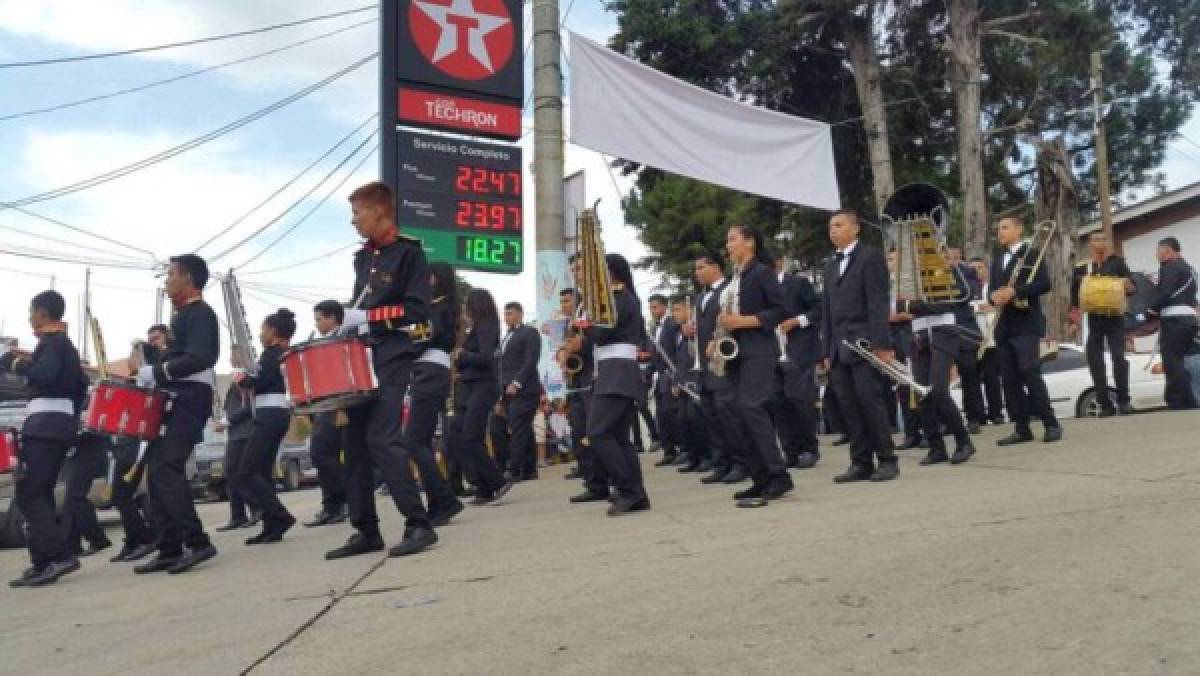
x=87 y=309
x=1102 y=183
x=547 y=126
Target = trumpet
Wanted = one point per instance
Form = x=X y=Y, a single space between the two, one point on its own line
x=894 y=372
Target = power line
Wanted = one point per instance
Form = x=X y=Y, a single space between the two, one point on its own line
x=177 y=78
x=294 y=204
x=73 y=228
x=187 y=145
x=26 y=252
x=238 y=221
x=320 y=203
x=184 y=43
x=306 y=261
x=64 y=242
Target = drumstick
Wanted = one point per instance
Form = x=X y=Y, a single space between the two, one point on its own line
x=132 y=475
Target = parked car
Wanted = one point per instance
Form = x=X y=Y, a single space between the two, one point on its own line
x=1070 y=383
x=293 y=466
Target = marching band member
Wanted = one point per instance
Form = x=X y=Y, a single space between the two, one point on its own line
x=1102 y=329
x=428 y=392
x=325 y=444
x=692 y=432
x=616 y=389
x=988 y=365
x=1018 y=335
x=56 y=382
x=757 y=308
x=272 y=417
x=392 y=289
x=186 y=371
x=1175 y=303
x=238 y=422
x=520 y=350
x=579 y=395
x=139 y=538
x=798 y=402
x=663 y=333
x=855 y=306
x=899 y=398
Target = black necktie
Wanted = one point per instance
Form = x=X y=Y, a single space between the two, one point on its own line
x=839 y=256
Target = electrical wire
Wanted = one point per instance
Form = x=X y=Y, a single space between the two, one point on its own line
x=294 y=204
x=187 y=145
x=64 y=242
x=319 y=204
x=184 y=43
x=238 y=221
x=25 y=252
x=306 y=261
x=178 y=78
x=73 y=228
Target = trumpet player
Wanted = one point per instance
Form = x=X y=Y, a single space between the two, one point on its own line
x=750 y=310
x=663 y=332
x=1018 y=332
x=855 y=306
x=692 y=433
x=796 y=400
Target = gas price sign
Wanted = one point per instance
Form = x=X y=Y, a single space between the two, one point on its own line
x=463 y=200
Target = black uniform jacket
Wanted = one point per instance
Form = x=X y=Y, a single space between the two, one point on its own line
x=667 y=336
x=194 y=348
x=619 y=376
x=801 y=300
x=477 y=360
x=519 y=361
x=760 y=295
x=396 y=282
x=53 y=371
x=1015 y=321
x=706 y=317
x=1176 y=285
x=856 y=304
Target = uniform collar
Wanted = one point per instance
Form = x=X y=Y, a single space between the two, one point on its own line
x=186 y=298
x=386 y=239
x=849 y=248
x=1015 y=248
x=51 y=329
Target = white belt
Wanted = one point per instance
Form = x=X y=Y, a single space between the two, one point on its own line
x=275 y=400
x=923 y=323
x=435 y=356
x=47 y=405
x=206 y=377
x=616 y=351
x=1178 y=311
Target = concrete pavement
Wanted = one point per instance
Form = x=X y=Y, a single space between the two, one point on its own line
x=1076 y=557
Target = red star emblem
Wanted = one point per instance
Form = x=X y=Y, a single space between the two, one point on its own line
x=465 y=39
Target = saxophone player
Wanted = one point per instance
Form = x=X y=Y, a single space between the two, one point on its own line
x=754 y=308
x=1018 y=333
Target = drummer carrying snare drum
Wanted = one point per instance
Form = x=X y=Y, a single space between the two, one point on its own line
x=1105 y=320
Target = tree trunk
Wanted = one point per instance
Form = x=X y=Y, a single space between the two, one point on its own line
x=965 y=72
x=1058 y=200
x=864 y=61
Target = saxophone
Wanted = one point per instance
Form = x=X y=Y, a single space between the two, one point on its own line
x=725 y=347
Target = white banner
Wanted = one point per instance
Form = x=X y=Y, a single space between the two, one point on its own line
x=629 y=110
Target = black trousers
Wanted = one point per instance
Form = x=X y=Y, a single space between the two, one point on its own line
x=795 y=408
x=862 y=407
x=235 y=450
x=643 y=409
x=124 y=495
x=719 y=408
x=931 y=367
x=1110 y=330
x=595 y=479
x=1024 y=389
x=90 y=460
x=753 y=381
x=172 y=513
x=522 y=456
x=427 y=400
x=666 y=414
x=610 y=417
x=41 y=460
x=375 y=441
x=474 y=402
x=254 y=478
x=1175 y=340
x=500 y=438
x=326 y=453
x=989 y=375
x=969 y=377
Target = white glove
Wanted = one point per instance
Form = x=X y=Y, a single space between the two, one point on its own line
x=354 y=318
x=145 y=376
x=1141 y=317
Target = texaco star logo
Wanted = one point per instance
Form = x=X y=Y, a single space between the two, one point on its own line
x=465 y=39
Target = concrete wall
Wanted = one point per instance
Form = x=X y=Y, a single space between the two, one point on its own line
x=1139 y=237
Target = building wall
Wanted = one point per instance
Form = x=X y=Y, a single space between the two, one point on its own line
x=1139 y=238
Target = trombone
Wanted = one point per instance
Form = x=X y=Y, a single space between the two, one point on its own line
x=894 y=371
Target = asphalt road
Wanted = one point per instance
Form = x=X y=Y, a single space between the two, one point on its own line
x=1078 y=557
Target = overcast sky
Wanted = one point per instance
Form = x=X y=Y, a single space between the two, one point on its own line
x=179 y=203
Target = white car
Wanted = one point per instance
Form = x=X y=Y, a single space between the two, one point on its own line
x=1070 y=383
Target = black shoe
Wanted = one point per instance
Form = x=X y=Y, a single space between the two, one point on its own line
x=158 y=564
x=974 y=428
x=356 y=545
x=704 y=466
x=963 y=453
x=753 y=502
x=1125 y=409
x=195 y=557
x=934 y=457
x=588 y=496
x=481 y=500
x=689 y=468
x=627 y=504
x=841 y=441
x=415 y=540
x=140 y=552
x=1106 y=413
x=807 y=460
x=755 y=491
x=574 y=473
x=666 y=461
x=47 y=574
x=94 y=548
x=123 y=555
x=502 y=491
x=529 y=476
x=735 y=476
x=443 y=516
x=340 y=515
x=1052 y=434
x=715 y=477
x=681 y=459
x=909 y=442
x=998 y=420
x=232 y=524
x=1016 y=438
x=886 y=472
x=855 y=473
x=322 y=518
x=789 y=460
x=255 y=519
x=779 y=487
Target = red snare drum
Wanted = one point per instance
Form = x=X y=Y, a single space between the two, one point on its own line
x=329 y=374
x=8 y=449
x=122 y=410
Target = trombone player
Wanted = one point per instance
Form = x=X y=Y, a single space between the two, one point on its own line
x=1018 y=284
